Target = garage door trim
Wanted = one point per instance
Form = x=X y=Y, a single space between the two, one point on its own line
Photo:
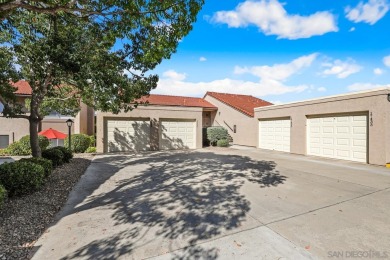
x=190 y=120
x=341 y=115
x=283 y=145
x=105 y=124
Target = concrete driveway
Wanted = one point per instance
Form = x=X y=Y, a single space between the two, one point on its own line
x=222 y=203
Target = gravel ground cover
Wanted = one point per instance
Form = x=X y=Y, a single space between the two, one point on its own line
x=22 y=220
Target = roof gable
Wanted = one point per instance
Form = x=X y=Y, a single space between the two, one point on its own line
x=243 y=103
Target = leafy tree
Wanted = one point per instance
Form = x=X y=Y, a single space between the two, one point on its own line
x=100 y=55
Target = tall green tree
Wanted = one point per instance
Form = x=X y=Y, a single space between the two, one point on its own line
x=100 y=55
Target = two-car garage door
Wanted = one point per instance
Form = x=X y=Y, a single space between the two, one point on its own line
x=337 y=136
x=340 y=137
x=134 y=134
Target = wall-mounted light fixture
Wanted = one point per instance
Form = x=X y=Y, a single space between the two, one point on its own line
x=234 y=128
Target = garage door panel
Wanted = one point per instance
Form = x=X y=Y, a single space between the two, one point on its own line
x=275 y=135
x=177 y=134
x=340 y=137
x=128 y=135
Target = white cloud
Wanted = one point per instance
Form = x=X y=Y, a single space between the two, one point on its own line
x=352 y=29
x=386 y=61
x=369 y=12
x=277 y=102
x=341 y=69
x=278 y=72
x=202 y=59
x=365 y=86
x=173 y=75
x=271 y=81
x=321 y=89
x=272 y=19
x=378 y=71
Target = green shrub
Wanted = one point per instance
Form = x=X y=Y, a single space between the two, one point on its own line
x=23 y=147
x=216 y=133
x=68 y=155
x=91 y=150
x=3 y=195
x=20 y=178
x=45 y=163
x=223 y=143
x=3 y=152
x=54 y=155
x=79 y=143
x=92 y=141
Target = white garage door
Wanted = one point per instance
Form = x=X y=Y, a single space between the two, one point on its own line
x=177 y=134
x=128 y=135
x=275 y=134
x=340 y=137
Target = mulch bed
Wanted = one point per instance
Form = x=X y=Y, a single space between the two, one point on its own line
x=24 y=219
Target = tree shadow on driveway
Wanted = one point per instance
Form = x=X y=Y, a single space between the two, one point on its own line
x=188 y=197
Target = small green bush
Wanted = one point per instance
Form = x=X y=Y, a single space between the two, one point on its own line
x=223 y=143
x=45 y=163
x=54 y=155
x=216 y=133
x=3 y=152
x=3 y=195
x=68 y=155
x=79 y=143
x=92 y=141
x=23 y=147
x=91 y=150
x=20 y=178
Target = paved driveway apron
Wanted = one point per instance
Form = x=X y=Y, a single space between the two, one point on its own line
x=222 y=203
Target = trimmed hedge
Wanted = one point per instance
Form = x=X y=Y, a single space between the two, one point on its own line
x=91 y=150
x=223 y=143
x=23 y=147
x=3 y=195
x=54 y=155
x=68 y=155
x=45 y=163
x=216 y=133
x=79 y=143
x=20 y=178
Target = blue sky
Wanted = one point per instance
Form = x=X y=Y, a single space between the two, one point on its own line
x=282 y=51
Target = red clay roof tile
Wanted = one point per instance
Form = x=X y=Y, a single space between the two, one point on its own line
x=165 y=100
x=243 y=103
x=23 y=88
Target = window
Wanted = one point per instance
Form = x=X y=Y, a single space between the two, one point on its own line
x=4 y=141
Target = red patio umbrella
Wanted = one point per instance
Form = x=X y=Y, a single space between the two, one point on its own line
x=53 y=134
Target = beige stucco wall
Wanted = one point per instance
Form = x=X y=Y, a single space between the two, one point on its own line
x=15 y=128
x=154 y=113
x=84 y=120
x=57 y=124
x=373 y=103
x=226 y=116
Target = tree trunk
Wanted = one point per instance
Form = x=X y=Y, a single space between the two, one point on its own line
x=34 y=120
x=34 y=141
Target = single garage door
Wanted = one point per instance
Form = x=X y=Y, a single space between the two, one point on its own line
x=275 y=134
x=128 y=135
x=177 y=134
x=339 y=137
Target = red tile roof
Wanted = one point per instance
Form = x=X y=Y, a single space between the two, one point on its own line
x=23 y=88
x=243 y=103
x=165 y=100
